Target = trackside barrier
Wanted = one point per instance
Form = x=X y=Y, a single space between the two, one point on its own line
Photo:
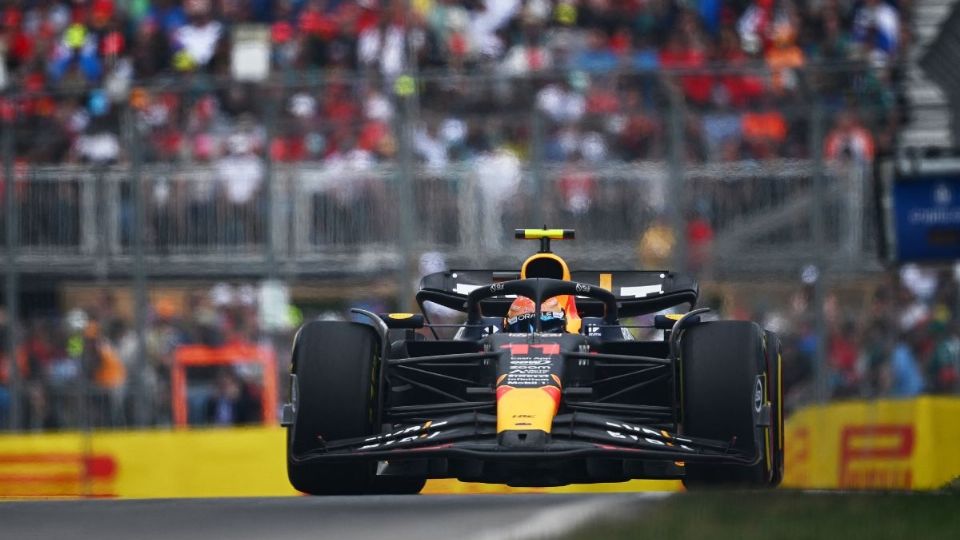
x=170 y=463
x=187 y=356
x=885 y=444
x=906 y=444
x=229 y=462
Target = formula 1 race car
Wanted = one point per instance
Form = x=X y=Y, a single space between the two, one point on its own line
x=541 y=385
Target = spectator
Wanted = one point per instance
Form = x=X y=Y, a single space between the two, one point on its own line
x=843 y=357
x=905 y=374
x=597 y=56
x=943 y=371
x=231 y=403
x=876 y=27
x=196 y=42
x=563 y=101
x=106 y=371
x=784 y=58
x=527 y=56
x=837 y=42
x=99 y=145
x=680 y=54
x=849 y=140
x=764 y=130
x=75 y=57
x=388 y=44
x=733 y=90
x=240 y=173
x=640 y=137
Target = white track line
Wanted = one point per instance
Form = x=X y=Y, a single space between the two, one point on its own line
x=564 y=518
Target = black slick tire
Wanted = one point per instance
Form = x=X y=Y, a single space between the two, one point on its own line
x=336 y=369
x=775 y=395
x=721 y=365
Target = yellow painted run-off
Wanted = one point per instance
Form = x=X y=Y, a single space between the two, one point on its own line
x=902 y=444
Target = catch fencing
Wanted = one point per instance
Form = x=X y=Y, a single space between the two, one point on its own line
x=348 y=173
x=320 y=175
x=762 y=215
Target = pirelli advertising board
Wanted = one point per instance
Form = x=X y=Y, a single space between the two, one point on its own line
x=889 y=444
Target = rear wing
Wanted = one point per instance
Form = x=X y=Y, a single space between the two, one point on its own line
x=638 y=292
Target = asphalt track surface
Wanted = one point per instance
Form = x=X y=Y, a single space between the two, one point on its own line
x=423 y=517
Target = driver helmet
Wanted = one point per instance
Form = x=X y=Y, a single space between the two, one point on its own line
x=522 y=312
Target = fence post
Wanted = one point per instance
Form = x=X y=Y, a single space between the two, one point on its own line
x=269 y=213
x=855 y=176
x=101 y=225
x=12 y=285
x=537 y=173
x=405 y=88
x=142 y=401
x=820 y=259
x=675 y=192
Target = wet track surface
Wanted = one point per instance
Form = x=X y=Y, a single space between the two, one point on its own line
x=424 y=517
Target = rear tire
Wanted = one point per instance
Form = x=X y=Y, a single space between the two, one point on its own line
x=336 y=365
x=720 y=364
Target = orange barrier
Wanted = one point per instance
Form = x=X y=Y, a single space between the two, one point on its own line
x=187 y=356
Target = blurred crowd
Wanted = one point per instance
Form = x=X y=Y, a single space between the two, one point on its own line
x=578 y=86
x=899 y=338
x=81 y=367
x=72 y=66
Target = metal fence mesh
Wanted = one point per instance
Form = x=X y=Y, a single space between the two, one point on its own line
x=326 y=175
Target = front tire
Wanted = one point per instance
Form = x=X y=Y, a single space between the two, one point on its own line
x=335 y=396
x=774 y=356
x=726 y=386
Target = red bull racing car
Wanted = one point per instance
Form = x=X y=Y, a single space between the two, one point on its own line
x=541 y=385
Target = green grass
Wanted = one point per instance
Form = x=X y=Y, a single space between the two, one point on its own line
x=788 y=515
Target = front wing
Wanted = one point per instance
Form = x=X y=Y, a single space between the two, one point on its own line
x=581 y=448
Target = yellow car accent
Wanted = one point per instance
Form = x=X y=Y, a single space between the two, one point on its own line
x=553 y=234
x=527 y=408
x=766 y=431
x=606 y=281
x=780 y=398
